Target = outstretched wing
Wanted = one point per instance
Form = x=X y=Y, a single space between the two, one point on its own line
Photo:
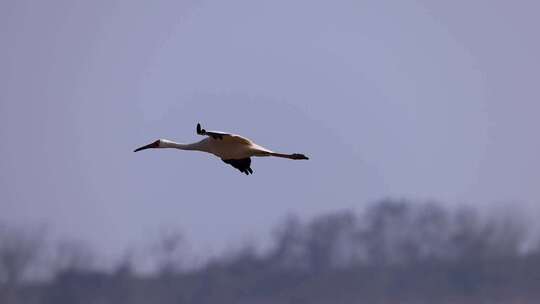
x=244 y=164
x=213 y=134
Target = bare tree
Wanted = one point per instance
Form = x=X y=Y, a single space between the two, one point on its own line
x=20 y=251
x=73 y=255
x=170 y=253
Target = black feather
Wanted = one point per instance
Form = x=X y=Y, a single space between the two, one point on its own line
x=200 y=130
x=243 y=165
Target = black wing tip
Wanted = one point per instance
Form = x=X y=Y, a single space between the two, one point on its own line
x=246 y=171
x=242 y=165
x=200 y=130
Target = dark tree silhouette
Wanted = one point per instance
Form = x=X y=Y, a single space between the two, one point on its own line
x=394 y=252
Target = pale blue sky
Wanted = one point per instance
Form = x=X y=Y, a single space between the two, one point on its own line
x=413 y=99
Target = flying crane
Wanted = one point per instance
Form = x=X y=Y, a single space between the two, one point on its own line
x=233 y=149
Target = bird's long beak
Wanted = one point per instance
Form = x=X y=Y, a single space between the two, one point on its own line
x=152 y=145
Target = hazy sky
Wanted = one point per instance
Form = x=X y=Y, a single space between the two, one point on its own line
x=408 y=99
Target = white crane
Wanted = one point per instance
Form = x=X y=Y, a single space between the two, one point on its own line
x=233 y=149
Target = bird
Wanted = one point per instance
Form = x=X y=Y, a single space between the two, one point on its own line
x=233 y=149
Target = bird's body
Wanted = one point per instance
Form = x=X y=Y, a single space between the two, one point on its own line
x=233 y=149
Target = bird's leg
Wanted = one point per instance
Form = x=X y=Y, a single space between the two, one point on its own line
x=289 y=156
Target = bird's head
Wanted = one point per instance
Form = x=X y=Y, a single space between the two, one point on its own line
x=160 y=143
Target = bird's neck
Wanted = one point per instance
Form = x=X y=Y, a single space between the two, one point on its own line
x=190 y=147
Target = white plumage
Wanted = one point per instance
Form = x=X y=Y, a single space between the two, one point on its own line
x=233 y=149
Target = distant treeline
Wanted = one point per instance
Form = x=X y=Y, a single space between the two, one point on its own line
x=392 y=252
